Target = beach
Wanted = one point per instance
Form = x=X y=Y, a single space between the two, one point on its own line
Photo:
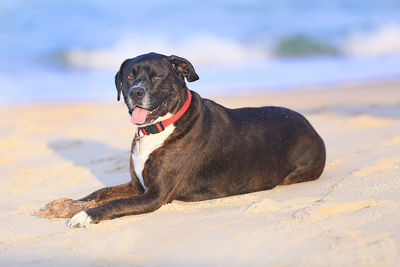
x=348 y=217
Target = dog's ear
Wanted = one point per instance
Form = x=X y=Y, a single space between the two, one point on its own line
x=184 y=67
x=118 y=79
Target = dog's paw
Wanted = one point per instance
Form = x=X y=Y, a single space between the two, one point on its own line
x=64 y=208
x=81 y=219
x=59 y=208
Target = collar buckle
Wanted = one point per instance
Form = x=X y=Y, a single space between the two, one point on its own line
x=154 y=128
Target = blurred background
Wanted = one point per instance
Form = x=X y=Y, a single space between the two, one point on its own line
x=70 y=50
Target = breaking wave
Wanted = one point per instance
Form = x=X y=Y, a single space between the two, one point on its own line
x=206 y=49
x=200 y=49
x=384 y=40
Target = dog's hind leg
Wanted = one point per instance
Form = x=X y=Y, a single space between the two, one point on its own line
x=303 y=173
x=310 y=164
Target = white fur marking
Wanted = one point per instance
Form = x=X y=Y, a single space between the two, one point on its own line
x=80 y=219
x=146 y=100
x=147 y=146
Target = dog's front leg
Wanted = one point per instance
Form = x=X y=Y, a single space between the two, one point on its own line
x=108 y=194
x=147 y=202
x=66 y=207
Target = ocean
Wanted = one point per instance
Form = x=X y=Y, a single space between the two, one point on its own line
x=70 y=50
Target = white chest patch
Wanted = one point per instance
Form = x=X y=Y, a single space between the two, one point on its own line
x=147 y=146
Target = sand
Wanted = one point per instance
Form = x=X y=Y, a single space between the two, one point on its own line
x=348 y=217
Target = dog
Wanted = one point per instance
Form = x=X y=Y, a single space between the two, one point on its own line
x=191 y=149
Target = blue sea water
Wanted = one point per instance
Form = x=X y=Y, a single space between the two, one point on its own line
x=70 y=50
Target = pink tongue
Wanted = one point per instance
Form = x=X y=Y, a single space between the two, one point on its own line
x=139 y=115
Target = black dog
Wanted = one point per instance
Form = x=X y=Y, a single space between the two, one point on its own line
x=190 y=148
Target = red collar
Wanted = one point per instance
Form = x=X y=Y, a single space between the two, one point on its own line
x=160 y=126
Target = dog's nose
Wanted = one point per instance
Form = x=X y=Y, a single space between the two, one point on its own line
x=137 y=92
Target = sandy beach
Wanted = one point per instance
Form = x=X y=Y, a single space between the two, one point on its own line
x=348 y=217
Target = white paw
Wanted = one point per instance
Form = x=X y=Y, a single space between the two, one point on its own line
x=80 y=219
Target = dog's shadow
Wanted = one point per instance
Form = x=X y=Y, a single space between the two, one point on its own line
x=109 y=165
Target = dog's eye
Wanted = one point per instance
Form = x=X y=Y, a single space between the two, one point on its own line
x=157 y=77
x=130 y=77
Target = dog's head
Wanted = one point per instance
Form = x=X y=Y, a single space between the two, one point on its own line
x=151 y=85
